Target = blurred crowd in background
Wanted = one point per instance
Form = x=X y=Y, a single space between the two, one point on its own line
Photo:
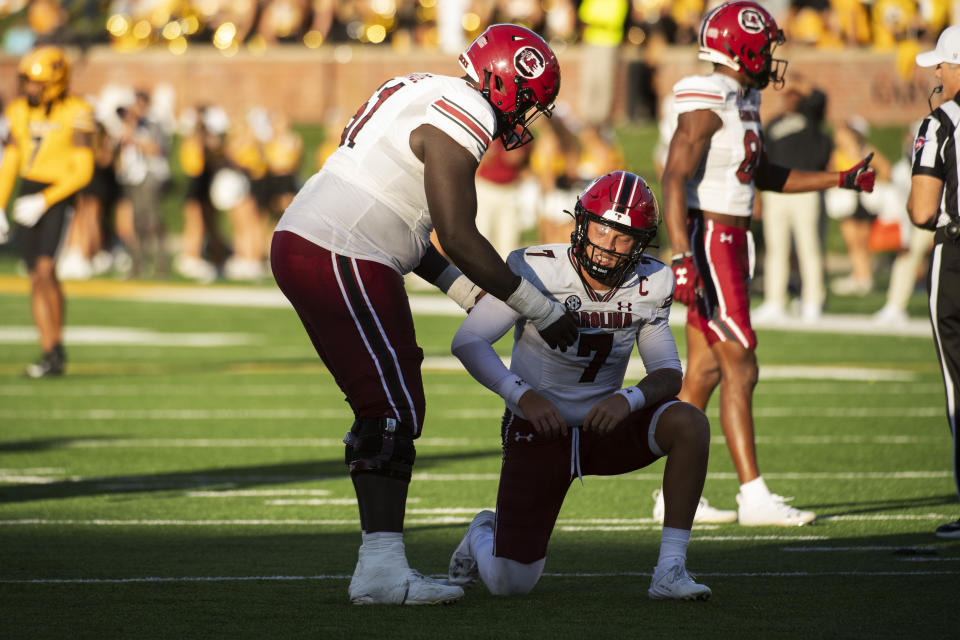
x=228 y=171
x=446 y=24
x=238 y=169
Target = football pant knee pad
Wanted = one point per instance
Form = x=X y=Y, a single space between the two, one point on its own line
x=380 y=445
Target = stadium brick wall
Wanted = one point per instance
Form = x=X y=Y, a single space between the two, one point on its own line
x=314 y=86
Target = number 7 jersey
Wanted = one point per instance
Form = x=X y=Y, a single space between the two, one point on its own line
x=723 y=183
x=610 y=323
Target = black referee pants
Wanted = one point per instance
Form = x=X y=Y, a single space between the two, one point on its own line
x=943 y=283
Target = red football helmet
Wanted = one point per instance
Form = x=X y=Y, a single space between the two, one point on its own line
x=623 y=202
x=517 y=72
x=742 y=35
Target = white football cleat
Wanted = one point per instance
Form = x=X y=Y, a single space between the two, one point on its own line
x=771 y=511
x=705 y=513
x=675 y=583
x=463 y=565
x=768 y=313
x=396 y=585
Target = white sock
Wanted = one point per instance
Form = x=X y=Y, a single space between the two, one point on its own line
x=755 y=490
x=673 y=546
x=384 y=545
x=382 y=540
x=481 y=546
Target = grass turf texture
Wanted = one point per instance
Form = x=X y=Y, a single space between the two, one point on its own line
x=108 y=527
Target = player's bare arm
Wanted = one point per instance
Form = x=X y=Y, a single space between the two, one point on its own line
x=923 y=205
x=448 y=178
x=612 y=410
x=689 y=142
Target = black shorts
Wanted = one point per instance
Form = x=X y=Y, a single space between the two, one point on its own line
x=198 y=187
x=103 y=186
x=281 y=184
x=43 y=239
x=260 y=190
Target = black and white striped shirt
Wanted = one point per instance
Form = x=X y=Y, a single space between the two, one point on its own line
x=935 y=154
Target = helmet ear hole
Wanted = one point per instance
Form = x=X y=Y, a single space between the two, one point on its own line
x=499 y=83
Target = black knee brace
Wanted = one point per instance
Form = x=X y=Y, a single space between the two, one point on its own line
x=380 y=445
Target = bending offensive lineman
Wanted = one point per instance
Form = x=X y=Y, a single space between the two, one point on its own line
x=405 y=165
x=566 y=413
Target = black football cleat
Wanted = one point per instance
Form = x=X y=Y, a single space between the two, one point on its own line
x=51 y=364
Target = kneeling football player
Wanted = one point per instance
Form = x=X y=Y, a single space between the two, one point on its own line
x=566 y=413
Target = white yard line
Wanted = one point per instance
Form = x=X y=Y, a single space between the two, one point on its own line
x=908 y=548
x=492 y=441
x=327 y=388
x=130 y=336
x=441 y=414
x=258 y=493
x=190 y=481
x=612 y=574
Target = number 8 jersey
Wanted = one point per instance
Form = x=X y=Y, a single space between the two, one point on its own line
x=723 y=183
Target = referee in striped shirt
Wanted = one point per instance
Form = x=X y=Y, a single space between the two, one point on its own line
x=934 y=204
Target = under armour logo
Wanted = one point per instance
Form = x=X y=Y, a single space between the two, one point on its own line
x=625 y=305
x=726 y=237
x=682 y=275
x=518 y=437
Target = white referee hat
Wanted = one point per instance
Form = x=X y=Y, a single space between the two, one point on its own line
x=948 y=49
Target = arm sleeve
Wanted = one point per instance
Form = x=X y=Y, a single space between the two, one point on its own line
x=927 y=147
x=8 y=173
x=81 y=163
x=473 y=345
x=656 y=346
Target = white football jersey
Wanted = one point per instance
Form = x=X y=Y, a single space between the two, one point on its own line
x=368 y=200
x=723 y=183
x=610 y=324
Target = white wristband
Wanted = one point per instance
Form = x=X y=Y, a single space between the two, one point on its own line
x=635 y=397
x=512 y=388
x=529 y=302
x=447 y=277
x=464 y=292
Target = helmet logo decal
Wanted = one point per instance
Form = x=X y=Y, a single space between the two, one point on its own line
x=620 y=217
x=529 y=63
x=751 y=21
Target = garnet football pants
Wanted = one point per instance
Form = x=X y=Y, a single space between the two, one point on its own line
x=358 y=317
x=722 y=255
x=537 y=471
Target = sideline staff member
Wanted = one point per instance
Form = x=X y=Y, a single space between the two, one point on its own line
x=49 y=148
x=933 y=204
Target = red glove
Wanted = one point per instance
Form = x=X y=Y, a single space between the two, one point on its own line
x=860 y=177
x=687 y=279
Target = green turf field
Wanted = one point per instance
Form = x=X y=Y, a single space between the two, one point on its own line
x=185 y=480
